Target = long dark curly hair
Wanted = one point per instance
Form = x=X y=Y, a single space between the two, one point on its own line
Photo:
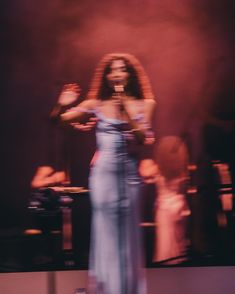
x=138 y=84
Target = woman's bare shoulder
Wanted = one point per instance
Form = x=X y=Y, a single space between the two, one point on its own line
x=150 y=103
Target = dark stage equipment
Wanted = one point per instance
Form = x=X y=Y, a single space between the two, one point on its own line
x=64 y=211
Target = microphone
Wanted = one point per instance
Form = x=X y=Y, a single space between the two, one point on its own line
x=119 y=89
x=118 y=86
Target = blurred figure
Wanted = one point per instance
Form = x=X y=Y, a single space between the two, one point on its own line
x=120 y=96
x=56 y=170
x=170 y=175
x=46 y=176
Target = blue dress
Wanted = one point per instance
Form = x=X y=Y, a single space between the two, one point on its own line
x=116 y=265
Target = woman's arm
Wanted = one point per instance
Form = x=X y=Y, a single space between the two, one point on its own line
x=149 y=108
x=69 y=95
x=138 y=128
x=78 y=113
x=46 y=176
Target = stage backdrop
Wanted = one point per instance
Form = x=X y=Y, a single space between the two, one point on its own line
x=186 y=47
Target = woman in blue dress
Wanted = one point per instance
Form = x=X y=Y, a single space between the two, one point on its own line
x=121 y=98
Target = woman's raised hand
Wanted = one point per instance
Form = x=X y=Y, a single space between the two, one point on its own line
x=69 y=94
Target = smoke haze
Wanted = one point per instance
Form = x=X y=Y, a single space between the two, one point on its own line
x=186 y=47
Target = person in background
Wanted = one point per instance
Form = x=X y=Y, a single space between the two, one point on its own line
x=55 y=171
x=169 y=172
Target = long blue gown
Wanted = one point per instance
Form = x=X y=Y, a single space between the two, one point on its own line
x=116 y=265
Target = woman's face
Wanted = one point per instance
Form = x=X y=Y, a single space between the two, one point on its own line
x=118 y=74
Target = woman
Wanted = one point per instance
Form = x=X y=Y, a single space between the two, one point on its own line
x=120 y=96
x=170 y=174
